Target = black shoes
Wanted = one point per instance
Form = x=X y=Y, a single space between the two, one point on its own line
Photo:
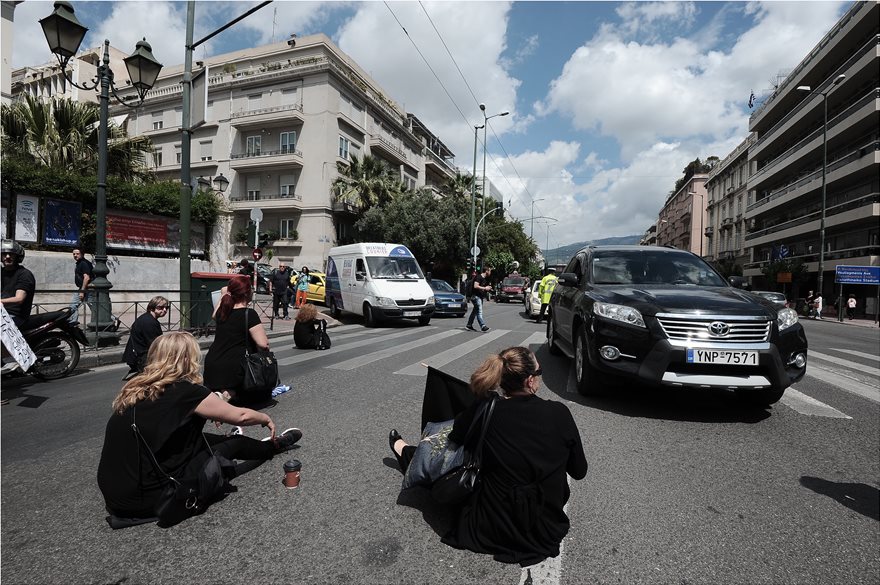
x=485 y=328
x=393 y=437
x=469 y=327
x=286 y=440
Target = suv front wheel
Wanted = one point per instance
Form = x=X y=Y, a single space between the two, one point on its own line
x=585 y=374
x=552 y=339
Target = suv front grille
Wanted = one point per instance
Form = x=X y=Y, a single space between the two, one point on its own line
x=721 y=329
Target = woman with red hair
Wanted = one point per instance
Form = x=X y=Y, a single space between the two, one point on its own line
x=238 y=328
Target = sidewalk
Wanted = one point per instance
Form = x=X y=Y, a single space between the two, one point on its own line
x=833 y=319
x=106 y=356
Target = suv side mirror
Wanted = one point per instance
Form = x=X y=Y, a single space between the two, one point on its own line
x=567 y=279
x=738 y=282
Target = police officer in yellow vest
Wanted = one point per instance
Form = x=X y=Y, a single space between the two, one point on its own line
x=545 y=289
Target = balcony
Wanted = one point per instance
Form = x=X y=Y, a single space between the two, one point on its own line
x=432 y=159
x=727 y=223
x=709 y=230
x=263 y=159
x=265 y=201
x=259 y=117
x=390 y=151
x=342 y=207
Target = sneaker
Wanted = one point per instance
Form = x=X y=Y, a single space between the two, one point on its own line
x=236 y=431
x=469 y=327
x=485 y=328
x=286 y=440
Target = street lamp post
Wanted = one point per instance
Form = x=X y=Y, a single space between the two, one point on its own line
x=824 y=94
x=485 y=145
x=65 y=33
x=477 y=231
x=474 y=186
x=532 y=220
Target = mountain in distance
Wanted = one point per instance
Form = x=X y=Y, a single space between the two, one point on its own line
x=564 y=253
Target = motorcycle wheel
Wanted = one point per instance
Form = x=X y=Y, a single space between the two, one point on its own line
x=57 y=356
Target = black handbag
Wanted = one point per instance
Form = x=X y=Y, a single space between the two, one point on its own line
x=260 y=369
x=191 y=495
x=457 y=485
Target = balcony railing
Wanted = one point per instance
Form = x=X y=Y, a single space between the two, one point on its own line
x=841 y=254
x=871 y=199
x=263 y=153
x=265 y=197
x=257 y=112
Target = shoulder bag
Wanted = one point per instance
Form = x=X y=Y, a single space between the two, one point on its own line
x=457 y=486
x=189 y=496
x=260 y=368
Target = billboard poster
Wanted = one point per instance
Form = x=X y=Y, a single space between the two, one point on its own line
x=61 y=222
x=151 y=233
x=27 y=214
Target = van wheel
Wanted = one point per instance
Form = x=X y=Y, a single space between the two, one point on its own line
x=424 y=320
x=334 y=310
x=370 y=319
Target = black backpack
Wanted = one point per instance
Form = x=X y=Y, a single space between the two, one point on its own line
x=322 y=340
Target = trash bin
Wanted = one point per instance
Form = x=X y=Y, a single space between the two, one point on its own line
x=202 y=284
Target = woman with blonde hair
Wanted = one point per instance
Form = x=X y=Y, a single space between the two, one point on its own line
x=517 y=511
x=170 y=407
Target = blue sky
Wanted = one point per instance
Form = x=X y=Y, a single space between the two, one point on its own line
x=608 y=101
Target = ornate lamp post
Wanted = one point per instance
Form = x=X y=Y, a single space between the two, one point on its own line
x=64 y=33
x=824 y=94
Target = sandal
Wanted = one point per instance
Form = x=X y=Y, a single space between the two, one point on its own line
x=393 y=437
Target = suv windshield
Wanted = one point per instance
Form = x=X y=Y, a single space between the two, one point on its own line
x=394 y=268
x=513 y=282
x=652 y=268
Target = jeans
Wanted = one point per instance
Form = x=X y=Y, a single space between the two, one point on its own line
x=477 y=312
x=75 y=304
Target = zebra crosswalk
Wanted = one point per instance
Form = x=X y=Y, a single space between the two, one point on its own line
x=832 y=366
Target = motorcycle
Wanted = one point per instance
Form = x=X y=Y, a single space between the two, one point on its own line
x=55 y=342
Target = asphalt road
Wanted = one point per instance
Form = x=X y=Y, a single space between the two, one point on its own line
x=683 y=486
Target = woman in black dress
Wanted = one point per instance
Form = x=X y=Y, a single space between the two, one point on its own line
x=238 y=328
x=516 y=513
x=170 y=407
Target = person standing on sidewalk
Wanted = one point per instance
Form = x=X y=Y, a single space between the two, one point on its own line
x=279 y=283
x=545 y=290
x=480 y=287
x=82 y=276
x=302 y=288
x=851 y=307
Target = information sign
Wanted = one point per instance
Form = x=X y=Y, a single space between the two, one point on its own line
x=857 y=275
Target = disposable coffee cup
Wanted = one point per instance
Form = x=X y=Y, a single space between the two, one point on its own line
x=292 y=470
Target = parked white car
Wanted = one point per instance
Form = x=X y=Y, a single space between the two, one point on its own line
x=533 y=301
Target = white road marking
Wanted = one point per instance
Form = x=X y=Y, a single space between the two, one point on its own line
x=845 y=383
x=444 y=357
x=305 y=355
x=843 y=362
x=861 y=354
x=804 y=404
x=548 y=571
x=535 y=339
x=346 y=328
x=382 y=354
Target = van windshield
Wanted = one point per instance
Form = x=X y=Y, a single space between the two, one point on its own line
x=394 y=268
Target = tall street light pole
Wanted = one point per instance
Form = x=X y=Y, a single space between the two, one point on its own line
x=824 y=94
x=474 y=188
x=65 y=33
x=485 y=145
x=532 y=220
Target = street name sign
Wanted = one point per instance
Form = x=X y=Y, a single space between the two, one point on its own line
x=857 y=275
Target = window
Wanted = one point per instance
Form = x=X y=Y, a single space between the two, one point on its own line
x=157 y=157
x=207 y=148
x=288 y=229
x=288 y=141
x=254 y=101
x=157 y=124
x=253 y=145
x=288 y=185
x=253 y=194
x=344 y=143
x=288 y=97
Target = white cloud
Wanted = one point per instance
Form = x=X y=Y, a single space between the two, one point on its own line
x=29 y=45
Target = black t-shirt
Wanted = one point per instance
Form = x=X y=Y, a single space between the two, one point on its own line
x=480 y=280
x=83 y=267
x=304 y=334
x=126 y=475
x=15 y=279
x=223 y=364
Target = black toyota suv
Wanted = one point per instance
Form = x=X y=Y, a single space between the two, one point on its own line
x=664 y=316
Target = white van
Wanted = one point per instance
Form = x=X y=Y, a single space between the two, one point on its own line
x=378 y=281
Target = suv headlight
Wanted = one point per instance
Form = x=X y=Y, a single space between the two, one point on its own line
x=786 y=318
x=622 y=313
x=385 y=302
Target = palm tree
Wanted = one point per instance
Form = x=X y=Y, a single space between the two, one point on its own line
x=365 y=183
x=63 y=133
x=460 y=186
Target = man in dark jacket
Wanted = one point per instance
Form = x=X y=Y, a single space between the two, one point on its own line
x=144 y=330
x=279 y=286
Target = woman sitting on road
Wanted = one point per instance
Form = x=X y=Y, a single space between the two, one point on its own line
x=308 y=328
x=170 y=407
x=238 y=328
x=516 y=512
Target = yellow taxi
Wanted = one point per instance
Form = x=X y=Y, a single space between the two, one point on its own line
x=317 y=286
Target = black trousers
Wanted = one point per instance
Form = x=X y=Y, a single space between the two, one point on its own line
x=279 y=301
x=544 y=307
x=251 y=452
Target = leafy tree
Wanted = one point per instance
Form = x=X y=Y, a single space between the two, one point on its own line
x=795 y=266
x=695 y=167
x=63 y=133
x=365 y=183
x=460 y=187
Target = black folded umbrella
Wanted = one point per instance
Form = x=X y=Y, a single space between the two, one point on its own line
x=445 y=397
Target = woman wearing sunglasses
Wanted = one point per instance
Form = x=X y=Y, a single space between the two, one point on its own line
x=516 y=512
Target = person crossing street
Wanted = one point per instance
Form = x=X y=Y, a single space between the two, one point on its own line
x=480 y=287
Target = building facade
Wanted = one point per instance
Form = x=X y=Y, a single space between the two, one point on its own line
x=726 y=226
x=682 y=221
x=279 y=119
x=785 y=188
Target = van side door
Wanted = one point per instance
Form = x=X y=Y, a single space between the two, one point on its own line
x=358 y=287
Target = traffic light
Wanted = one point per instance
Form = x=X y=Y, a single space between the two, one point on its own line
x=251 y=233
x=499 y=209
x=263 y=242
x=469 y=265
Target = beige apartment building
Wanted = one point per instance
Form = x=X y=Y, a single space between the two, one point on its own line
x=279 y=118
x=682 y=221
x=786 y=157
x=726 y=226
